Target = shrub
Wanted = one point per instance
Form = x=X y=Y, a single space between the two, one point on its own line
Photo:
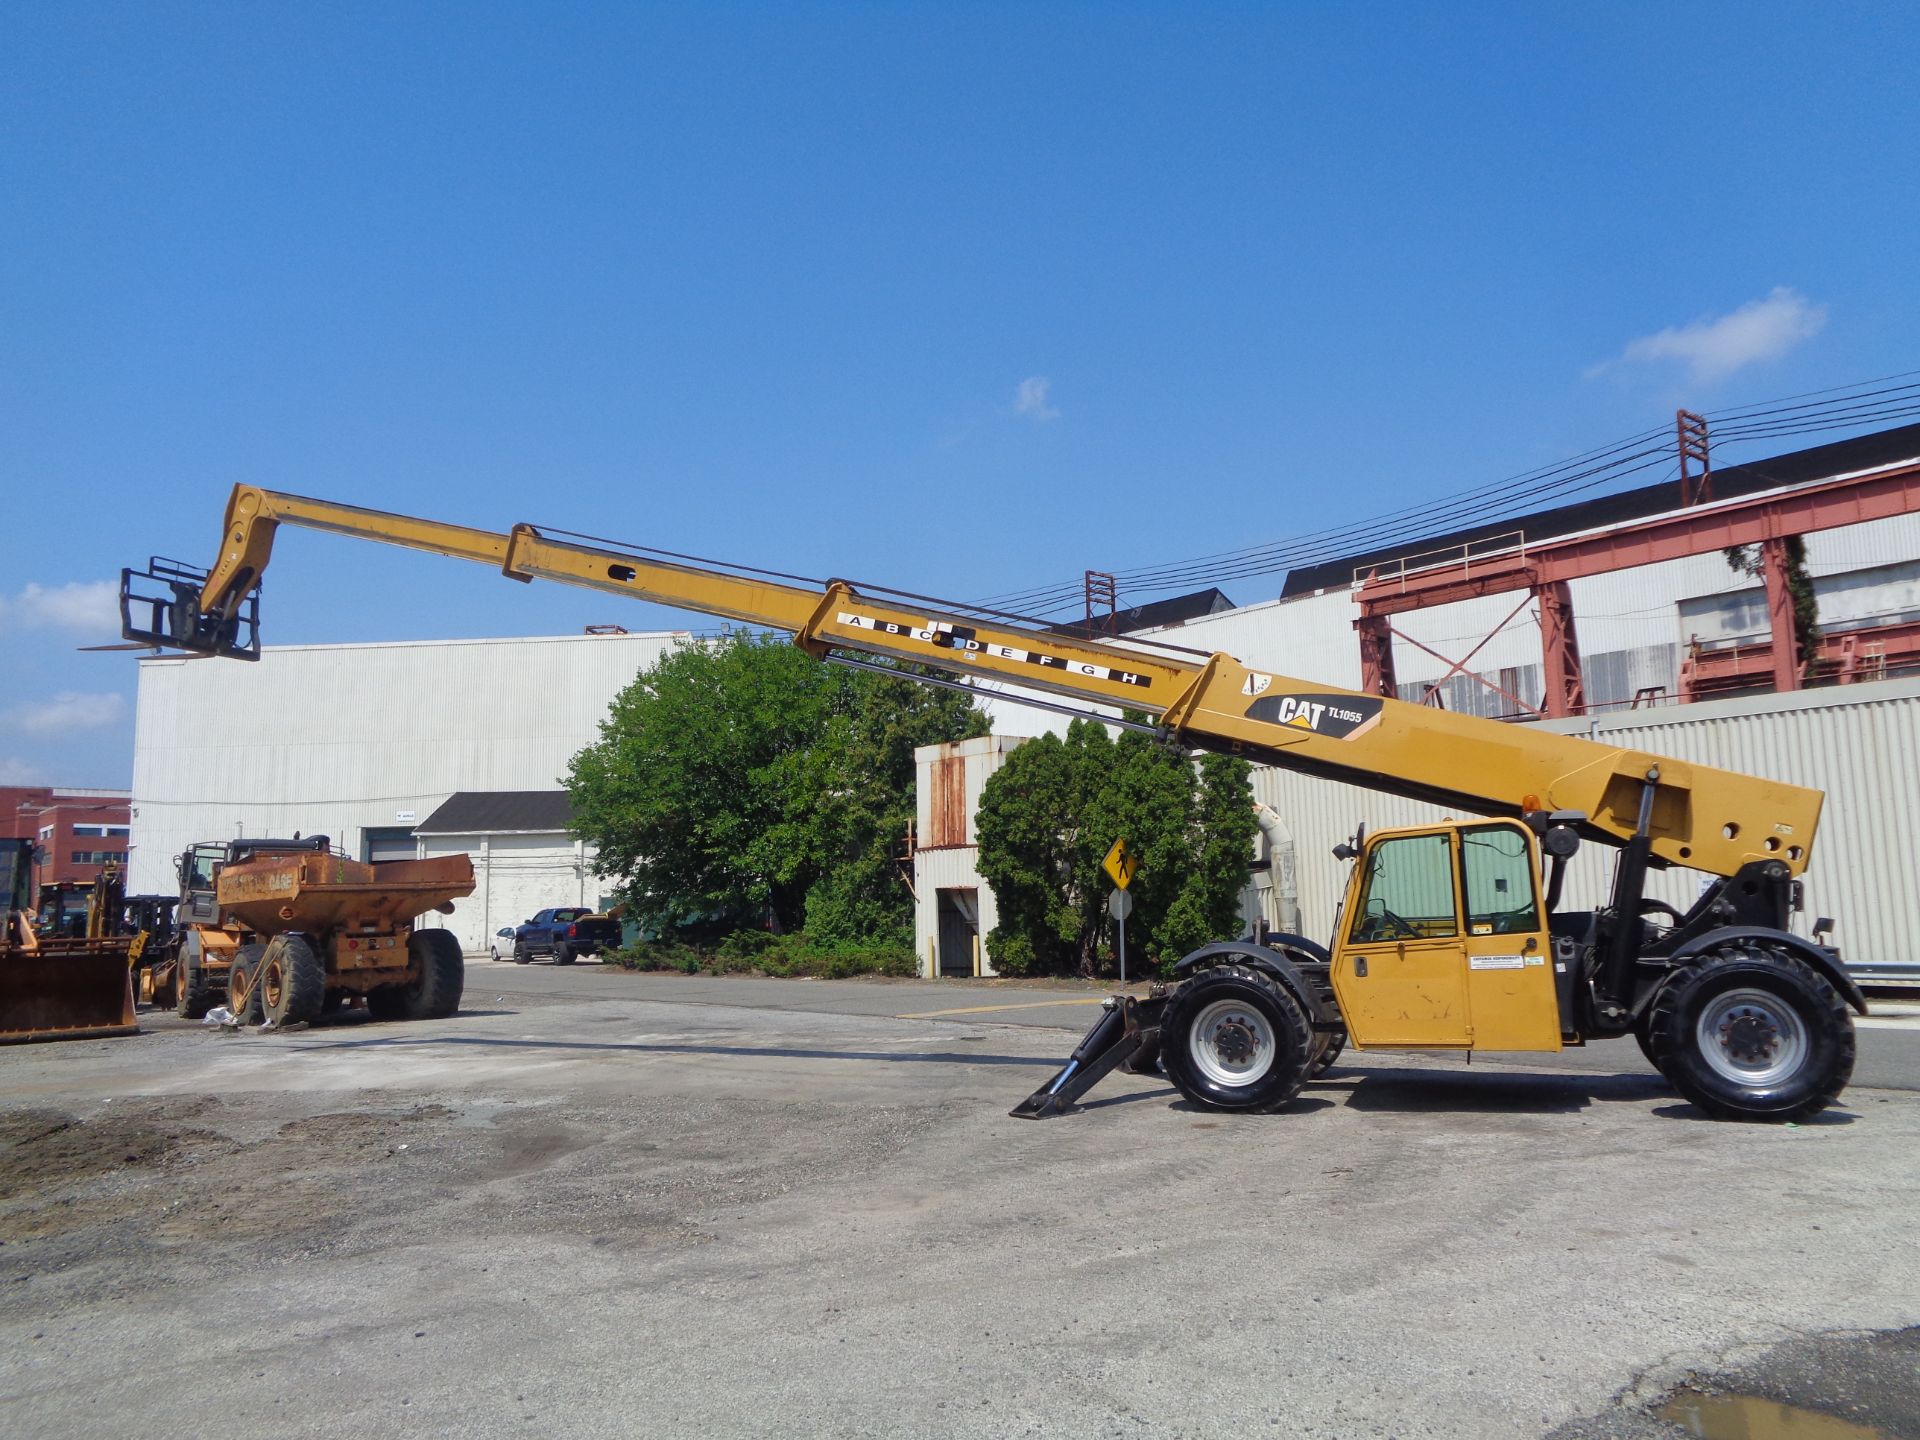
x=784 y=957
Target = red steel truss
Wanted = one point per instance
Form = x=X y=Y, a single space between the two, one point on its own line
x=1545 y=569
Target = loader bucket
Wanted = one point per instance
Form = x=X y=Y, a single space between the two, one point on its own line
x=1125 y=1024
x=65 y=990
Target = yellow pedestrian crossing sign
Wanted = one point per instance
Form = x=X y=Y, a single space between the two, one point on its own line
x=1120 y=864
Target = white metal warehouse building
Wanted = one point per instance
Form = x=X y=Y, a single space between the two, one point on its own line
x=332 y=739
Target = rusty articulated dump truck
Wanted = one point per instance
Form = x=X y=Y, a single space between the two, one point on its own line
x=288 y=930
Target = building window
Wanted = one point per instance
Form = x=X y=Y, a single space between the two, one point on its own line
x=97 y=857
x=102 y=832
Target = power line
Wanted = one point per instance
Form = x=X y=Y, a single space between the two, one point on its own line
x=1862 y=403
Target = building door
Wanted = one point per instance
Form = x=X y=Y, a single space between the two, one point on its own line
x=1400 y=970
x=388 y=842
x=959 y=929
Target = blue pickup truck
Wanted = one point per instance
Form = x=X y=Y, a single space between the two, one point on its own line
x=566 y=934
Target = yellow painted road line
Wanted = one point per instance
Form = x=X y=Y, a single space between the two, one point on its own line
x=983 y=1009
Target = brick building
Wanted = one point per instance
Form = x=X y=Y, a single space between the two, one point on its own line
x=74 y=831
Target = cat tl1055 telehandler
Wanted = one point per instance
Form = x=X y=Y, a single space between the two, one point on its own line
x=1452 y=935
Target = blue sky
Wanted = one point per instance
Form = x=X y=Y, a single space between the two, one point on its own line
x=959 y=298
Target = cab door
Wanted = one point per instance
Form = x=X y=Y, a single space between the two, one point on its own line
x=1400 y=963
x=1510 y=991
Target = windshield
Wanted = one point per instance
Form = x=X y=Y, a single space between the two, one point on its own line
x=200 y=862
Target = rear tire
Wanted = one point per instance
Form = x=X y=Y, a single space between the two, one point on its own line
x=1643 y=1037
x=1234 y=1039
x=192 y=999
x=440 y=977
x=561 y=954
x=1752 y=1032
x=243 y=987
x=291 y=981
x=1325 y=1055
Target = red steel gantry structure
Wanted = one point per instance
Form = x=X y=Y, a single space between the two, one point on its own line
x=1544 y=570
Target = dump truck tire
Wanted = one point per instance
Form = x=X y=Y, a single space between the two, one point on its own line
x=244 y=981
x=1234 y=1039
x=435 y=995
x=192 y=999
x=291 y=981
x=1751 y=1032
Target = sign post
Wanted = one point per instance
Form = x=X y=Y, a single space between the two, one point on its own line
x=1120 y=866
x=1119 y=905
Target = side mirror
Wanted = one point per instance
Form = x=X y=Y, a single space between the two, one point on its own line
x=1344 y=851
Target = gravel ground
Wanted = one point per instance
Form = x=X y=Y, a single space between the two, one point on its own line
x=582 y=1215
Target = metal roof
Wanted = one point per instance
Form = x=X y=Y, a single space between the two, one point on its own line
x=499 y=812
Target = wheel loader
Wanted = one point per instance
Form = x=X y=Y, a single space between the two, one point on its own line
x=71 y=982
x=1452 y=936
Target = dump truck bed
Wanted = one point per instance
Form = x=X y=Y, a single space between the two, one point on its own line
x=315 y=893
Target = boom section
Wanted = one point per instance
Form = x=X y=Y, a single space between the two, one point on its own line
x=1703 y=818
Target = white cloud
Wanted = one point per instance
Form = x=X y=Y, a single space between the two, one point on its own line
x=89 y=607
x=1032 y=400
x=14 y=771
x=69 y=710
x=1714 y=346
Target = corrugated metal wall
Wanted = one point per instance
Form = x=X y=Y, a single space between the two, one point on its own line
x=514 y=876
x=1860 y=744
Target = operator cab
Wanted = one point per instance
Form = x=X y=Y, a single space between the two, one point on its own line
x=1444 y=942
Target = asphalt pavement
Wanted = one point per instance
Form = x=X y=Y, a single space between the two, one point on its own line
x=604 y=1204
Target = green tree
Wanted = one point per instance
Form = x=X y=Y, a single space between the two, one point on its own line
x=742 y=784
x=1048 y=816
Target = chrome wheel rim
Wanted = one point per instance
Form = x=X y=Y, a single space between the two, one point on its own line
x=1752 y=1037
x=1233 y=1044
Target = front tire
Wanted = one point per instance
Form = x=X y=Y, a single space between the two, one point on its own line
x=1752 y=1032
x=243 y=985
x=291 y=981
x=192 y=990
x=1234 y=1039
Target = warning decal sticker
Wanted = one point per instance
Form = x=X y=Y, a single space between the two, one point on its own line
x=944 y=636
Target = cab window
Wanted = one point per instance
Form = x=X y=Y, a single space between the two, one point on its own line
x=1497 y=877
x=1408 y=891
x=200 y=867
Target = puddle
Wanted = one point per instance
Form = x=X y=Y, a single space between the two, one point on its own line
x=1746 y=1417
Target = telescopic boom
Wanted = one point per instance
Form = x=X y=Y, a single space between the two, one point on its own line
x=1708 y=819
